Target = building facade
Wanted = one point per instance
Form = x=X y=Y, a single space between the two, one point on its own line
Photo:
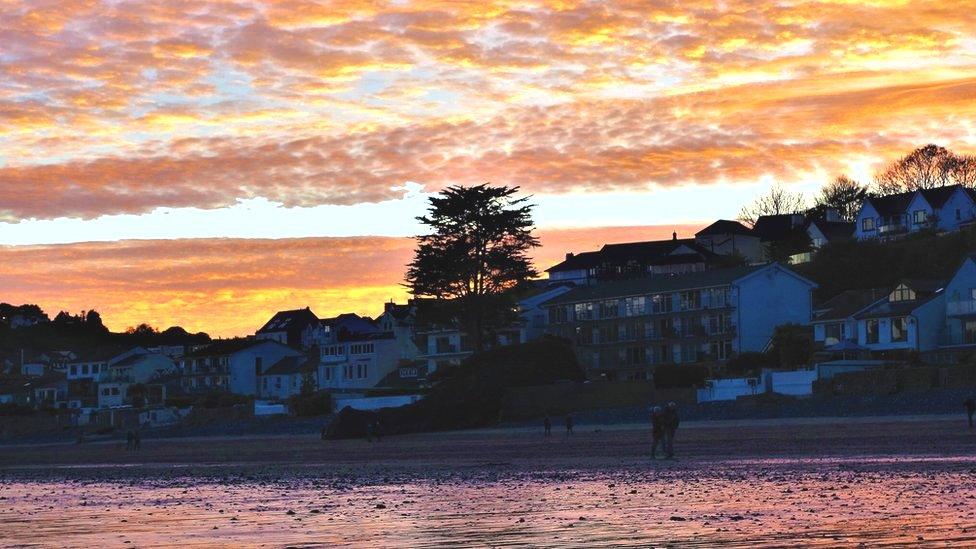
x=623 y=330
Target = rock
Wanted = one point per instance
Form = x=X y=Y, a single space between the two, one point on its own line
x=678 y=519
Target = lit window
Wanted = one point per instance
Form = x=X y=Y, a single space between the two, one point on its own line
x=902 y=293
x=867 y=224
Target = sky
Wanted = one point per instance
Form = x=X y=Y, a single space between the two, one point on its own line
x=208 y=163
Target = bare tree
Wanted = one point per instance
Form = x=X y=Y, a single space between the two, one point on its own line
x=777 y=201
x=843 y=195
x=926 y=168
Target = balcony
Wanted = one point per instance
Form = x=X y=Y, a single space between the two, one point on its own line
x=961 y=308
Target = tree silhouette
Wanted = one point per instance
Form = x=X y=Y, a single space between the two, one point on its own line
x=843 y=195
x=777 y=201
x=926 y=168
x=476 y=251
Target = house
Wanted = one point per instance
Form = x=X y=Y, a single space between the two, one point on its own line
x=231 y=365
x=401 y=322
x=944 y=209
x=834 y=326
x=115 y=387
x=358 y=363
x=533 y=318
x=50 y=391
x=634 y=259
x=731 y=238
x=623 y=329
x=289 y=328
x=91 y=364
x=960 y=320
x=823 y=231
x=909 y=318
x=285 y=378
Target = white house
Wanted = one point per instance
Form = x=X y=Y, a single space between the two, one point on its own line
x=91 y=365
x=231 y=365
x=142 y=369
x=285 y=378
x=359 y=363
x=942 y=208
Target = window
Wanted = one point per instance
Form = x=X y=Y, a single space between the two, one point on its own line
x=958 y=214
x=558 y=314
x=867 y=224
x=833 y=333
x=584 y=311
x=919 y=217
x=84 y=369
x=74 y=370
x=631 y=356
x=609 y=309
x=257 y=364
x=899 y=329
x=661 y=303
x=635 y=306
x=115 y=391
x=720 y=350
x=277 y=382
x=970 y=332
x=690 y=300
x=871 y=330
x=902 y=293
x=361 y=349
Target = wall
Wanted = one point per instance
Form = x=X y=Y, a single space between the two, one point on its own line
x=375 y=403
x=766 y=299
x=919 y=203
x=797 y=383
x=730 y=389
x=384 y=359
x=947 y=214
x=243 y=376
x=867 y=210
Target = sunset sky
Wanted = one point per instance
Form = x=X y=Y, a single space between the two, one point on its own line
x=208 y=163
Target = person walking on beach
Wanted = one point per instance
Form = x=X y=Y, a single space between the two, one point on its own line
x=569 y=424
x=370 y=431
x=670 y=421
x=129 y=440
x=547 y=424
x=136 y=440
x=657 y=430
x=970 y=404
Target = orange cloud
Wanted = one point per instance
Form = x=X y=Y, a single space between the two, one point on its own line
x=113 y=107
x=231 y=286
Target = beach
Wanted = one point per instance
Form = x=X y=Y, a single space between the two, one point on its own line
x=824 y=481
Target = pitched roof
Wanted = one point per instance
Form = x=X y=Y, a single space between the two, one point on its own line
x=288 y=320
x=99 y=354
x=638 y=286
x=892 y=204
x=835 y=230
x=292 y=365
x=846 y=303
x=775 y=227
x=222 y=347
x=651 y=252
x=925 y=290
x=725 y=226
x=938 y=196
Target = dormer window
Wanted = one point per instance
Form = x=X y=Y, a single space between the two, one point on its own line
x=902 y=293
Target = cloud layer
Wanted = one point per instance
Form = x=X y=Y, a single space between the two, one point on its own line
x=232 y=286
x=121 y=107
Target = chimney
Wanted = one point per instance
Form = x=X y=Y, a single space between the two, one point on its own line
x=674 y=235
x=569 y=256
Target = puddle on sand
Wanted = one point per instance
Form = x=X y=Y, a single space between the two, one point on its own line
x=745 y=507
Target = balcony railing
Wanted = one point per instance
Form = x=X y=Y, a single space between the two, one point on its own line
x=961 y=308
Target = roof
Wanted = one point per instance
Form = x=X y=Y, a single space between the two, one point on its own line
x=227 y=347
x=651 y=252
x=288 y=320
x=575 y=262
x=892 y=204
x=292 y=365
x=938 y=196
x=835 y=230
x=725 y=226
x=775 y=227
x=607 y=290
x=925 y=291
x=100 y=354
x=846 y=303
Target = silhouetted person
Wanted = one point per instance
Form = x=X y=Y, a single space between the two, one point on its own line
x=657 y=430
x=547 y=424
x=370 y=431
x=136 y=440
x=670 y=421
x=569 y=424
x=970 y=404
x=130 y=439
x=376 y=429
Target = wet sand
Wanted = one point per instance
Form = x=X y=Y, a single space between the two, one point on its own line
x=876 y=482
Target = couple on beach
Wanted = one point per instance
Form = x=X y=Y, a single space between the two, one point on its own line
x=664 y=424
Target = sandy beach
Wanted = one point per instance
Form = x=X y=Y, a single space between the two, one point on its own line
x=826 y=482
